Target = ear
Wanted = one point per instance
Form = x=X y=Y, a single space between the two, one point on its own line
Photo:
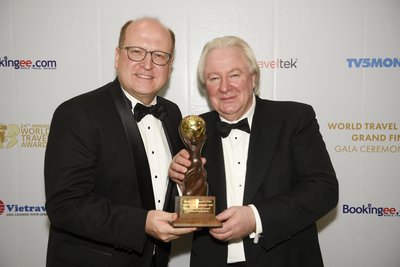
x=170 y=67
x=253 y=78
x=116 y=57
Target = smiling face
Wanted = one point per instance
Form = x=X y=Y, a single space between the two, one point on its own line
x=143 y=80
x=229 y=82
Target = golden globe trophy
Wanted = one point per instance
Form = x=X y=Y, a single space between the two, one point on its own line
x=195 y=208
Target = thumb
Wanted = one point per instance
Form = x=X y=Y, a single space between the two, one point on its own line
x=170 y=217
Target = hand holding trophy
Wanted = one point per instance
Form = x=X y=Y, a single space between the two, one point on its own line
x=195 y=208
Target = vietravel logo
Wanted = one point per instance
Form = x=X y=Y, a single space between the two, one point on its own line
x=366 y=62
x=28 y=64
x=12 y=209
x=24 y=135
x=371 y=210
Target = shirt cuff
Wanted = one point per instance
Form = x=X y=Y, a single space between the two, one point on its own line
x=259 y=229
x=179 y=190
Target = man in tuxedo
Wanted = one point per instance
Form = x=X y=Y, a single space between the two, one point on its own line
x=107 y=158
x=267 y=165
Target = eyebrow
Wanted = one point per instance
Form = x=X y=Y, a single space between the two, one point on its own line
x=233 y=70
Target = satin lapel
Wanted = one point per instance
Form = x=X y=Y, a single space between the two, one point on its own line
x=263 y=140
x=215 y=166
x=172 y=138
x=138 y=151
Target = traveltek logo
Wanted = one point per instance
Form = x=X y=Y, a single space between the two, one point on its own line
x=370 y=209
x=373 y=62
x=27 y=64
x=22 y=210
x=278 y=64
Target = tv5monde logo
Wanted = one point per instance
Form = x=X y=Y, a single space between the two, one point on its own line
x=24 y=135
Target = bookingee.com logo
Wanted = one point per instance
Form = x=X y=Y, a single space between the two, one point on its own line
x=370 y=209
x=28 y=64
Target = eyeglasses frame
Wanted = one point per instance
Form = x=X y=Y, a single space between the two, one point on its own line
x=147 y=52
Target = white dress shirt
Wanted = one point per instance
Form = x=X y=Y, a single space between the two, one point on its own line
x=157 y=150
x=235 y=148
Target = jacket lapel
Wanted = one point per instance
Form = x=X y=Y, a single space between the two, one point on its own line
x=143 y=178
x=172 y=138
x=215 y=162
x=263 y=140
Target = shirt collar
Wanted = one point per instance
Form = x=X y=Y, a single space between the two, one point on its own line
x=134 y=101
x=249 y=114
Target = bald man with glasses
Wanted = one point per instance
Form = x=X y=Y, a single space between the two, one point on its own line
x=108 y=196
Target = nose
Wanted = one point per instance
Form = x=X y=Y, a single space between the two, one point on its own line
x=146 y=62
x=224 y=85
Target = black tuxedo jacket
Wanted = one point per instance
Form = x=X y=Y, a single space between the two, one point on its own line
x=289 y=179
x=98 y=184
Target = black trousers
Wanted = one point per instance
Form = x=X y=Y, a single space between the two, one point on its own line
x=237 y=264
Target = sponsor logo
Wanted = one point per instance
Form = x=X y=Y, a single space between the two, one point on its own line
x=23 y=135
x=373 y=62
x=28 y=64
x=369 y=209
x=21 y=210
x=367 y=137
x=278 y=63
x=2 y=207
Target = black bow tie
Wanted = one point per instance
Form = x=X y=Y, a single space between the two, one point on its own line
x=140 y=111
x=225 y=128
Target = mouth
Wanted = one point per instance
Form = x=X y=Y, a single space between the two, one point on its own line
x=227 y=99
x=144 y=76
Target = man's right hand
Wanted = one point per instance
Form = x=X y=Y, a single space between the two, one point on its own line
x=178 y=167
x=158 y=225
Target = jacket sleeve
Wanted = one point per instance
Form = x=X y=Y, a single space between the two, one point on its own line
x=77 y=201
x=304 y=179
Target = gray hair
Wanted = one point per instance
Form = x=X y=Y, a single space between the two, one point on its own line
x=229 y=41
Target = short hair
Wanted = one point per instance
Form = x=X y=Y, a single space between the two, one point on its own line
x=129 y=22
x=229 y=41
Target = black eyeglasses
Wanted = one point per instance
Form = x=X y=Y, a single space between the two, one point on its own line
x=138 y=54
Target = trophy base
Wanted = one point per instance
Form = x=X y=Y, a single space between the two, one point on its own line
x=195 y=211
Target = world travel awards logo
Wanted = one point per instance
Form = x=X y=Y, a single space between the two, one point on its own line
x=23 y=135
x=367 y=137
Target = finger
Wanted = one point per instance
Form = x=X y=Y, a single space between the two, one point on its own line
x=176 y=171
x=225 y=215
x=182 y=231
x=222 y=237
x=221 y=230
x=181 y=162
x=184 y=153
x=170 y=216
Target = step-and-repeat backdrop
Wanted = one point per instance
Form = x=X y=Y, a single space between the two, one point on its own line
x=340 y=56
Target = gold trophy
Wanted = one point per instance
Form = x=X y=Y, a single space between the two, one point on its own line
x=195 y=208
